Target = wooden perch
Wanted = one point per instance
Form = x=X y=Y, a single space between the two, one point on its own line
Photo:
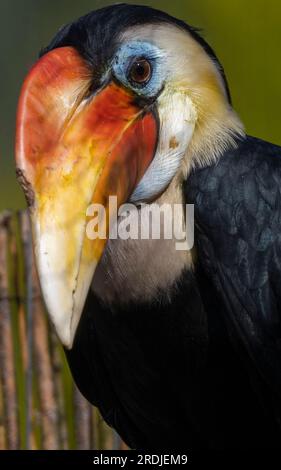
x=7 y=368
x=40 y=346
x=82 y=421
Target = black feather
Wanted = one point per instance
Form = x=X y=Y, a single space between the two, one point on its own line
x=238 y=221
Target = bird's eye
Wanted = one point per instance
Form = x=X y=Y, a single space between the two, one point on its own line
x=140 y=71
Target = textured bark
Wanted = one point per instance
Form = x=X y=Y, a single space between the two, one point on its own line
x=27 y=253
x=45 y=379
x=42 y=358
x=7 y=369
x=57 y=368
x=2 y=424
x=83 y=422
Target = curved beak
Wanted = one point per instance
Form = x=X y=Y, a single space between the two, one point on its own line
x=74 y=150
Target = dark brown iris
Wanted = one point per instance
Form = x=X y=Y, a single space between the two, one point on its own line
x=140 y=71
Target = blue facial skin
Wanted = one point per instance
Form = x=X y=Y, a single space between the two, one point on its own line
x=126 y=56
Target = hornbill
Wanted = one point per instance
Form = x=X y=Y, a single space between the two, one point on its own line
x=177 y=348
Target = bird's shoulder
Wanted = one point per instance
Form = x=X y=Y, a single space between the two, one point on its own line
x=237 y=205
x=245 y=183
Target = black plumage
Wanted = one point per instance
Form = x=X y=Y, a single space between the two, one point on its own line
x=238 y=220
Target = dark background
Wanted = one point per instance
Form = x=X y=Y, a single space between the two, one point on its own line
x=245 y=34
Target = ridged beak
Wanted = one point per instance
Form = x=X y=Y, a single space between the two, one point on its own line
x=74 y=149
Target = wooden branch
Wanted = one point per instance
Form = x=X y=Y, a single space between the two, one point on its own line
x=7 y=369
x=27 y=251
x=44 y=373
x=2 y=423
x=82 y=421
x=42 y=358
x=57 y=366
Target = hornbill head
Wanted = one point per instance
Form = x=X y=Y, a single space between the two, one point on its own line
x=120 y=102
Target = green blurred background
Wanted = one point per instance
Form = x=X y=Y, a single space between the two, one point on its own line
x=245 y=34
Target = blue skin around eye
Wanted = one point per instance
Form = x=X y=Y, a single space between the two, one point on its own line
x=124 y=59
